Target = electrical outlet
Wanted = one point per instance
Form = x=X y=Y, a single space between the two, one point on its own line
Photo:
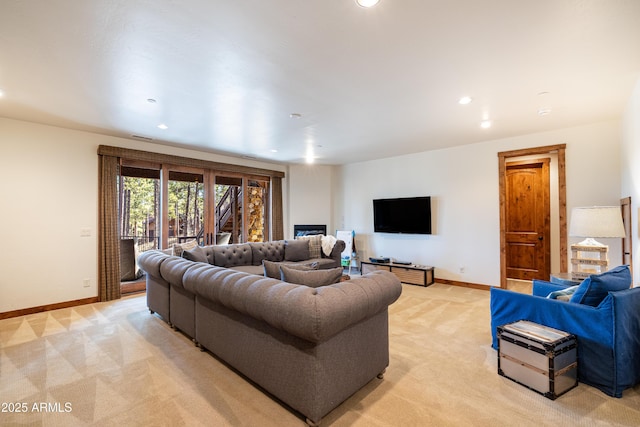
x=85 y=232
x=462 y=270
x=86 y=283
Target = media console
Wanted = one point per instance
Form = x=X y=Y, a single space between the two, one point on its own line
x=420 y=275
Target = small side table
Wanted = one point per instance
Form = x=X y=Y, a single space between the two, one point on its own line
x=564 y=279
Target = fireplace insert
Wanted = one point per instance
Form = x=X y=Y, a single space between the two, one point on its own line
x=308 y=230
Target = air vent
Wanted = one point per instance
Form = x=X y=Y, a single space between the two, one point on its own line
x=144 y=138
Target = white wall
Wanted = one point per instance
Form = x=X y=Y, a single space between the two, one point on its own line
x=48 y=191
x=631 y=172
x=463 y=184
x=311 y=188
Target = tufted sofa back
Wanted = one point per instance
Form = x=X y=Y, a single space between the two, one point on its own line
x=271 y=251
x=232 y=255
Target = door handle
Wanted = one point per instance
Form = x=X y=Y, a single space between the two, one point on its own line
x=539 y=237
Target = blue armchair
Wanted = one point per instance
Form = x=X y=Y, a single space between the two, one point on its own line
x=608 y=334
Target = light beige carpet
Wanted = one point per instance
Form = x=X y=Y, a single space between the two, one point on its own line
x=114 y=364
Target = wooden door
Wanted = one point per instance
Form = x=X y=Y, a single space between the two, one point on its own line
x=527 y=220
x=625 y=207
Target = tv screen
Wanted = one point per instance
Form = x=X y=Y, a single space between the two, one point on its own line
x=410 y=215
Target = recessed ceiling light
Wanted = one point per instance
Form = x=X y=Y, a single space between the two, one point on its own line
x=295 y=115
x=163 y=126
x=465 y=100
x=485 y=124
x=1 y=94
x=544 y=111
x=367 y=3
x=273 y=150
x=151 y=101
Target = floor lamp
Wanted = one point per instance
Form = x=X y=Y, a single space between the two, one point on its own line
x=590 y=256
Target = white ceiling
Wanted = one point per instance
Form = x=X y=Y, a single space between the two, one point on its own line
x=368 y=83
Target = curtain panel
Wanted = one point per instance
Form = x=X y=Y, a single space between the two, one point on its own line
x=108 y=236
x=276 y=209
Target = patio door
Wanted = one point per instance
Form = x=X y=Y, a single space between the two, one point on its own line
x=184 y=214
x=162 y=205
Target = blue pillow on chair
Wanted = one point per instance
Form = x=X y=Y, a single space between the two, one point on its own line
x=563 y=294
x=596 y=287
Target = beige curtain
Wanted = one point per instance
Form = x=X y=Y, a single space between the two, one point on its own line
x=108 y=238
x=276 y=209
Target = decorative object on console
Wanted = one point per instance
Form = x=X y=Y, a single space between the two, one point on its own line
x=593 y=222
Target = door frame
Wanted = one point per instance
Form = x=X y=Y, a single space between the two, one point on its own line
x=562 y=201
x=625 y=203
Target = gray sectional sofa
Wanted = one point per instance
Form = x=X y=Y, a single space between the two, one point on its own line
x=310 y=347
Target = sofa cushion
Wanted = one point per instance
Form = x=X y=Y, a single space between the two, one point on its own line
x=595 y=288
x=315 y=244
x=272 y=269
x=323 y=263
x=296 y=250
x=232 y=255
x=311 y=278
x=196 y=254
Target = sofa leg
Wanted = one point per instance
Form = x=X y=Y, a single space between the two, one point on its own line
x=311 y=423
x=151 y=311
x=381 y=374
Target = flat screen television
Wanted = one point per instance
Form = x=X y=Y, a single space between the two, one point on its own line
x=409 y=215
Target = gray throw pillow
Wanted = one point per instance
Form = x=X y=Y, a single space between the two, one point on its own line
x=272 y=268
x=178 y=248
x=296 y=250
x=196 y=254
x=313 y=278
x=315 y=245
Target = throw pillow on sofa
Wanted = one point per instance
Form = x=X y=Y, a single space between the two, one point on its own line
x=296 y=250
x=196 y=254
x=272 y=268
x=315 y=244
x=313 y=278
x=178 y=248
x=596 y=287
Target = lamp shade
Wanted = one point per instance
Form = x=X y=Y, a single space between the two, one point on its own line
x=596 y=222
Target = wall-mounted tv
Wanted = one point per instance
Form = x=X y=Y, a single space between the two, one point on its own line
x=409 y=215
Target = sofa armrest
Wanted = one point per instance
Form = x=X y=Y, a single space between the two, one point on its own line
x=336 y=252
x=150 y=262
